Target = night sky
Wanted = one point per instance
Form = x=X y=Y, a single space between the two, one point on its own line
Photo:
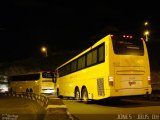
x=26 y=25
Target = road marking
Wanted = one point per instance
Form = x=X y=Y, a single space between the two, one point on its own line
x=53 y=98
x=56 y=106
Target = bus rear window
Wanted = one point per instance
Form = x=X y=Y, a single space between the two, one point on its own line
x=127 y=46
x=47 y=75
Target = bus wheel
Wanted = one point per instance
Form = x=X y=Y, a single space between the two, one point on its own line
x=77 y=94
x=11 y=90
x=85 y=95
x=58 y=95
x=27 y=90
x=31 y=90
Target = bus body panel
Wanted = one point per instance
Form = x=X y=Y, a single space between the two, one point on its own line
x=23 y=85
x=87 y=79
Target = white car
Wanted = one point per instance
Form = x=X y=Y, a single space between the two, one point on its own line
x=3 y=88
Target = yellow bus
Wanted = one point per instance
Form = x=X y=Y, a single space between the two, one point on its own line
x=115 y=66
x=37 y=82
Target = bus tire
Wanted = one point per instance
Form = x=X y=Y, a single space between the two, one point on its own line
x=27 y=90
x=11 y=90
x=85 y=95
x=77 y=94
x=31 y=90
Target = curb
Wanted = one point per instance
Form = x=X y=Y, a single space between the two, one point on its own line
x=57 y=110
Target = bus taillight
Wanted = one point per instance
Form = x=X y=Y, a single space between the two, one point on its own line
x=149 y=80
x=110 y=80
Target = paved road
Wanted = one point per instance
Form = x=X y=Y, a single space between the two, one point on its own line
x=14 y=108
x=123 y=110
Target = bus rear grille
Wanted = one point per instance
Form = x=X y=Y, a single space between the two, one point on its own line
x=100 y=86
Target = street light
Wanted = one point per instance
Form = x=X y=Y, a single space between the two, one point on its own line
x=146 y=33
x=146 y=23
x=44 y=50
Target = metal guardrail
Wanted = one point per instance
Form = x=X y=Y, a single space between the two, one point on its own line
x=55 y=109
x=40 y=98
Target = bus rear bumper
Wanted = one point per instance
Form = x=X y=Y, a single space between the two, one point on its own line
x=47 y=91
x=130 y=92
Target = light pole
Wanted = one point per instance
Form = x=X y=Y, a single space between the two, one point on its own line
x=146 y=32
x=44 y=50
